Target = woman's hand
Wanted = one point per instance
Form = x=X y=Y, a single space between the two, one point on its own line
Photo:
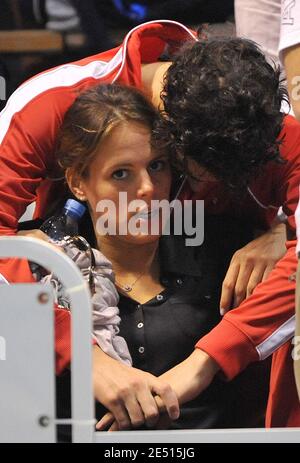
x=108 y=423
x=188 y=379
x=250 y=265
x=129 y=393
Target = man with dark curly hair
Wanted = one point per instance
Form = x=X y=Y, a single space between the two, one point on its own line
x=222 y=104
x=222 y=101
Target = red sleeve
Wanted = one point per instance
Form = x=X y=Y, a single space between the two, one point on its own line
x=288 y=187
x=27 y=152
x=16 y=270
x=62 y=339
x=260 y=325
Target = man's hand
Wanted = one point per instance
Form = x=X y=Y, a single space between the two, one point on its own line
x=188 y=379
x=35 y=233
x=250 y=265
x=129 y=393
x=38 y=234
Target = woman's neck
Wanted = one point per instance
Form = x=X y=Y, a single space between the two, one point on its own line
x=136 y=268
x=129 y=258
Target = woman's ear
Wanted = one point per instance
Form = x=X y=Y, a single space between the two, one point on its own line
x=75 y=184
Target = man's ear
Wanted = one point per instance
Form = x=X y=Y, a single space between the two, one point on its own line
x=75 y=184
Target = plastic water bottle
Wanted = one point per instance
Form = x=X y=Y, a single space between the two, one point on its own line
x=62 y=230
x=65 y=224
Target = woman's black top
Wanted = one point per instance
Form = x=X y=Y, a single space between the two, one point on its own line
x=163 y=332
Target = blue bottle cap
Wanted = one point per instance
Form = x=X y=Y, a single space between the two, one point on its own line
x=75 y=208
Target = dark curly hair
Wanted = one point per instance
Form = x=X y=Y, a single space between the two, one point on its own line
x=222 y=103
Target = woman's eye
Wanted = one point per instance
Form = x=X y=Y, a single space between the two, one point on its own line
x=120 y=174
x=157 y=166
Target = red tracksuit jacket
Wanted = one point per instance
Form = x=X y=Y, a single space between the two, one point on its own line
x=28 y=129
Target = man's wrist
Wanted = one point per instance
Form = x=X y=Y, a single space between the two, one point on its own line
x=278 y=227
x=100 y=358
x=203 y=361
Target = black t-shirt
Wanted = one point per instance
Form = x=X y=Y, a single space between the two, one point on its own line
x=163 y=332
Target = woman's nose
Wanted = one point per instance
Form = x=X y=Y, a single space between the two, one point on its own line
x=146 y=186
